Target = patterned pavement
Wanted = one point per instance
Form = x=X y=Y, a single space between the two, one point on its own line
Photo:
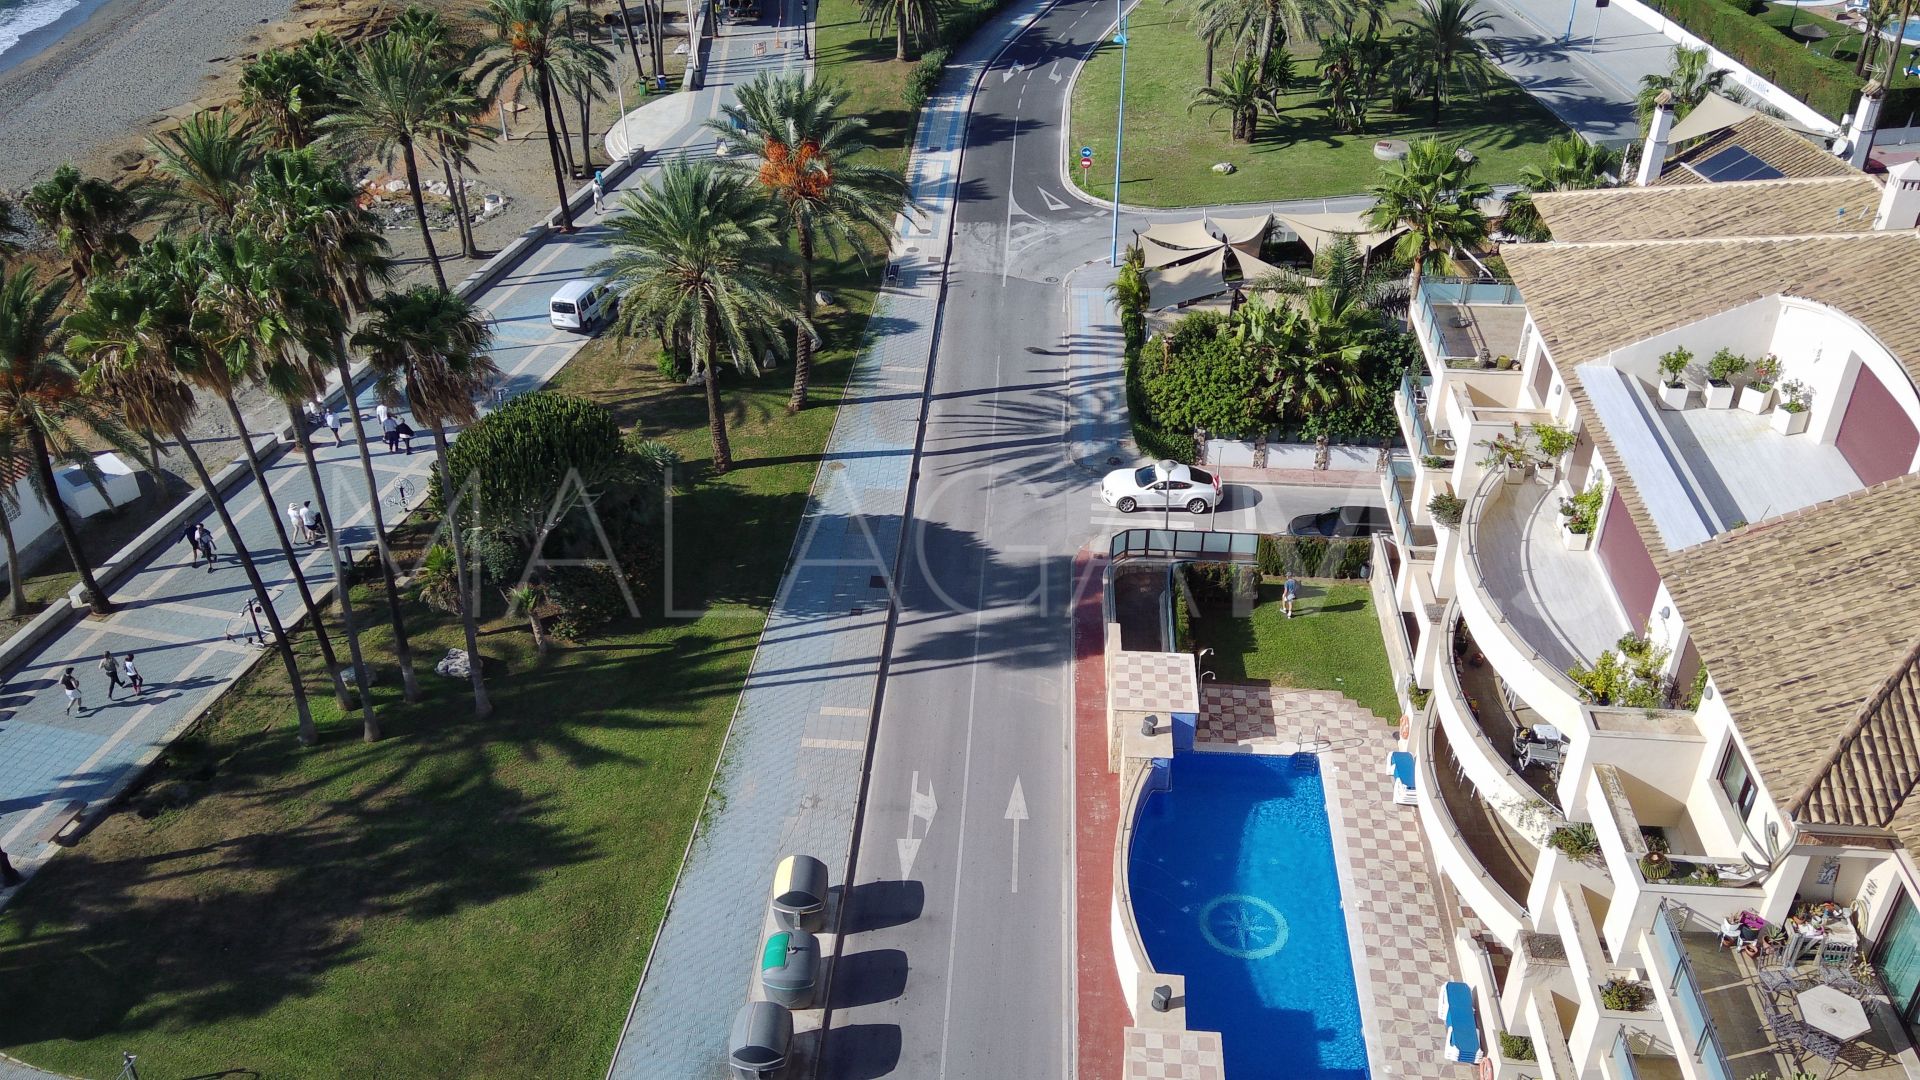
x=1391 y=904
x=1173 y=1055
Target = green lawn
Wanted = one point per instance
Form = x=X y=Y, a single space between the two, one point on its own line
x=1842 y=43
x=1299 y=153
x=1331 y=643
x=460 y=899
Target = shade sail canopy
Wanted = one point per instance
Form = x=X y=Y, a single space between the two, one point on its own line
x=1183 y=234
x=1189 y=281
x=1159 y=254
x=1253 y=269
x=1319 y=230
x=1239 y=231
x=1717 y=113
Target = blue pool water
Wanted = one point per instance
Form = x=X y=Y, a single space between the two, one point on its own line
x=1233 y=886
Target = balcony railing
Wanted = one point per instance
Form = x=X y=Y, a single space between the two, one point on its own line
x=1623 y=1067
x=1434 y=293
x=1696 y=1027
x=1414 y=390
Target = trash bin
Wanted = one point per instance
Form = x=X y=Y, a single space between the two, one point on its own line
x=790 y=968
x=800 y=892
x=762 y=1031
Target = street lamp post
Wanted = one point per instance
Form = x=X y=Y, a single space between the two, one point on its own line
x=1119 y=130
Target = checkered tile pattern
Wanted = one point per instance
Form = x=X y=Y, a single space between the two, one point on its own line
x=1173 y=1055
x=1397 y=912
x=1154 y=682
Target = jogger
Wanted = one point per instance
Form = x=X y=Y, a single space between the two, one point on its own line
x=111 y=670
x=72 y=687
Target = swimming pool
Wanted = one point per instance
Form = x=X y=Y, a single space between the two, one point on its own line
x=1233 y=885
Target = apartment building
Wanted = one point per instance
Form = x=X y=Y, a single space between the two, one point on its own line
x=1755 y=756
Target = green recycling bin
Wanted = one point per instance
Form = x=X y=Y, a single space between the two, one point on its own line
x=762 y=1034
x=800 y=892
x=790 y=968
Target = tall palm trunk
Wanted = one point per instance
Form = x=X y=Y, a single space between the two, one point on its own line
x=559 y=116
x=293 y=561
x=402 y=648
x=657 y=12
x=466 y=209
x=803 y=335
x=1210 y=44
x=633 y=40
x=50 y=491
x=342 y=587
x=482 y=707
x=1899 y=31
x=900 y=41
x=304 y=715
x=16 y=587
x=420 y=210
x=553 y=149
x=716 y=417
x=461 y=225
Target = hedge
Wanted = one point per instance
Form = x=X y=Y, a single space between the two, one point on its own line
x=1828 y=85
x=1153 y=440
x=1313 y=556
x=933 y=63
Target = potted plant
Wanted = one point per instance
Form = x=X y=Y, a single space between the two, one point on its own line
x=1446 y=508
x=1555 y=443
x=1503 y=362
x=1792 y=415
x=1624 y=995
x=1510 y=454
x=1722 y=370
x=1674 y=392
x=1436 y=461
x=1576 y=840
x=1757 y=396
x=1580 y=515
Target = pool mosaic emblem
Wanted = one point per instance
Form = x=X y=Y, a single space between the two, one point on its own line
x=1243 y=926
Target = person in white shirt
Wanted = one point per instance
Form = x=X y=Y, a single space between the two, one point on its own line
x=333 y=425
x=380 y=411
x=298 y=522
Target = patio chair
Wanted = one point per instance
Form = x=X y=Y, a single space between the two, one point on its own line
x=1729 y=934
x=1788 y=1028
x=1842 y=980
x=1779 y=982
x=1825 y=1047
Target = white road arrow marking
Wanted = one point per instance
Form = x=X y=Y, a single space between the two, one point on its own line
x=1016 y=813
x=1007 y=75
x=1053 y=73
x=908 y=849
x=1052 y=202
x=921 y=809
x=923 y=804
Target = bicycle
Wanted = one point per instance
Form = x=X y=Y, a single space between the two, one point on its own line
x=402 y=497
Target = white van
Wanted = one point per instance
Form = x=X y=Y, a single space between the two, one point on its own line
x=582 y=305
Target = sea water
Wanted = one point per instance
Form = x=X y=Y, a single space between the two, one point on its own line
x=18 y=18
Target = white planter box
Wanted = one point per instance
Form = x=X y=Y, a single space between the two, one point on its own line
x=1720 y=395
x=1756 y=401
x=1790 y=423
x=1675 y=397
x=1574 y=541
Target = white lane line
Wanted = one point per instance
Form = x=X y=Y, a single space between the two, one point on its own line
x=833 y=744
x=1006 y=236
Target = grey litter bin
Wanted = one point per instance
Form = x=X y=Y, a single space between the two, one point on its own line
x=800 y=892
x=790 y=968
x=762 y=1031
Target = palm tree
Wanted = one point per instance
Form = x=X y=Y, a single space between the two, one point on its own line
x=1258 y=27
x=908 y=19
x=527 y=44
x=205 y=163
x=1131 y=295
x=428 y=33
x=1243 y=94
x=284 y=92
x=435 y=344
x=1350 y=66
x=690 y=254
x=15 y=465
x=307 y=201
x=254 y=307
x=1431 y=194
x=1347 y=274
x=1440 y=47
x=9 y=229
x=787 y=132
x=42 y=401
x=391 y=103
x=134 y=329
x=1573 y=164
x=1690 y=80
x=88 y=217
x=1314 y=364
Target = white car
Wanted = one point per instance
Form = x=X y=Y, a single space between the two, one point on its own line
x=1161 y=485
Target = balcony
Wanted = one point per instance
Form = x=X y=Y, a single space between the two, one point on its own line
x=1558 y=603
x=1497 y=712
x=1470 y=848
x=1398 y=485
x=1727 y=985
x=1412 y=403
x=1645 y=819
x=1507 y=855
x=1470 y=324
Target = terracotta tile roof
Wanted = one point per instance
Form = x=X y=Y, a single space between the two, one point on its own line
x=1695 y=211
x=1805 y=620
x=1765 y=139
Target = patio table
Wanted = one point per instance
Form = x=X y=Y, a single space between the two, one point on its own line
x=1833 y=1012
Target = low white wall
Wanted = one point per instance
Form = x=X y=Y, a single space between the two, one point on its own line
x=1743 y=75
x=34 y=520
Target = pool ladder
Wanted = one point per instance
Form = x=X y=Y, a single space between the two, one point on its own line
x=1306 y=757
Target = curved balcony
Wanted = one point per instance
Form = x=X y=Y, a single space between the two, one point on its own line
x=1480 y=729
x=1535 y=607
x=1487 y=862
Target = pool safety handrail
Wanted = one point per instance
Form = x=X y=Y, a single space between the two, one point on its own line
x=1196 y=544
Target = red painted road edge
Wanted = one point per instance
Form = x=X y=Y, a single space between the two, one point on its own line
x=1102 y=1008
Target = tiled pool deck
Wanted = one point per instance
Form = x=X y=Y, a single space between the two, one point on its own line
x=1395 y=921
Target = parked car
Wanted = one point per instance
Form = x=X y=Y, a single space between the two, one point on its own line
x=1161 y=485
x=1342 y=521
x=582 y=304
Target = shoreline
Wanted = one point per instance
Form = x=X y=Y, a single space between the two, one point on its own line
x=98 y=80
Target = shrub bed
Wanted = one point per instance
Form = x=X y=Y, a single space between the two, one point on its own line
x=1313 y=556
x=1828 y=85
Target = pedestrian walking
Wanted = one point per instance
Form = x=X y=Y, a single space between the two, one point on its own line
x=299 y=522
x=207 y=546
x=333 y=425
x=599 y=191
x=1288 y=594
x=132 y=674
x=111 y=669
x=9 y=877
x=310 y=518
x=405 y=431
x=72 y=687
x=391 y=432
x=381 y=413
x=192 y=538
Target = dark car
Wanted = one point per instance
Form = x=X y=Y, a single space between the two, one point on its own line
x=1341 y=521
